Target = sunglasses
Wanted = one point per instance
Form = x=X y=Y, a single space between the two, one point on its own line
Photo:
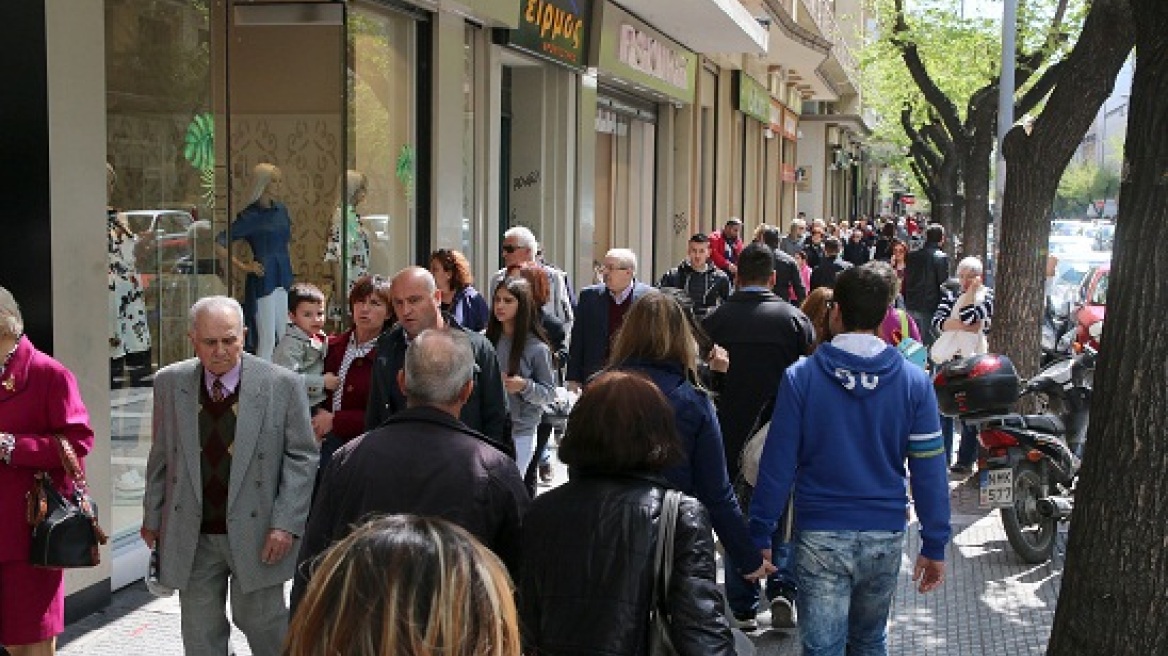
x=510 y=248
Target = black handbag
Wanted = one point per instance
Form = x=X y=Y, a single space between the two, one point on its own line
x=65 y=532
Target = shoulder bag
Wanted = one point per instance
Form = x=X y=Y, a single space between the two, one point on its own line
x=65 y=532
x=660 y=641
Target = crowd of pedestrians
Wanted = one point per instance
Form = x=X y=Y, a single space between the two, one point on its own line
x=433 y=412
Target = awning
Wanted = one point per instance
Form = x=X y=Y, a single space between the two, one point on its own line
x=706 y=26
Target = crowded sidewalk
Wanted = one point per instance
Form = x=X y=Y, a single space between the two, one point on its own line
x=991 y=604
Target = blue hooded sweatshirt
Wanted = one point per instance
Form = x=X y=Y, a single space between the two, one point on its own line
x=843 y=429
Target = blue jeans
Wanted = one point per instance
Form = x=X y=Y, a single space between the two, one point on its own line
x=967 y=450
x=846 y=580
x=743 y=596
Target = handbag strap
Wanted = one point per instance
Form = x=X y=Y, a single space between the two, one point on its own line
x=663 y=553
x=70 y=463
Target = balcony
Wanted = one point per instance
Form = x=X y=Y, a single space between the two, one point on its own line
x=842 y=68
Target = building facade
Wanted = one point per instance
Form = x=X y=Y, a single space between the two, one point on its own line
x=400 y=127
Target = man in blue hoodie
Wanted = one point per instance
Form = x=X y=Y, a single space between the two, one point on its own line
x=847 y=470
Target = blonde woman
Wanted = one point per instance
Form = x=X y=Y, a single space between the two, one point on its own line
x=404 y=585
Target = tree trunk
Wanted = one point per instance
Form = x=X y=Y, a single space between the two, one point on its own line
x=1112 y=599
x=1035 y=160
x=976 y=175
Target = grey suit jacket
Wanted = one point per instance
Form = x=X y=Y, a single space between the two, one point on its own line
x=272 y=470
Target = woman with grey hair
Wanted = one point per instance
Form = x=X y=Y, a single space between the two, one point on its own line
x=265 y=225
x=39 y=401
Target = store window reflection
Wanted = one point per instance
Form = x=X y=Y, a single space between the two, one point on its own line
x=161 y=174
x=381 y=130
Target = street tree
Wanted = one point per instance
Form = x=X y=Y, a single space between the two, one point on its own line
x=1112 y=599
x=949 y=113
x=1082 y=184
x=1037 y=152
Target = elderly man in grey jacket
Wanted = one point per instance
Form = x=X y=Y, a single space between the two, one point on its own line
x=229 y=477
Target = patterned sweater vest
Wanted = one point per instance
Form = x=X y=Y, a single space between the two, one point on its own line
x=217 y=439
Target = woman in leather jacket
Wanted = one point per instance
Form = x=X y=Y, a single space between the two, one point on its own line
x=586 y=574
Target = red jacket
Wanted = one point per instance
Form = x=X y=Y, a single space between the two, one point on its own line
x=349 y=421
x=38 y=399
x=718 y=251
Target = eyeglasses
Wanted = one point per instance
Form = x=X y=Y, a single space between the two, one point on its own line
x=511 y=248
x=614 y=267
x=830 y=305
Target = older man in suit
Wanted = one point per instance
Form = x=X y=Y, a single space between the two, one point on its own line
x=229 y=477
x=600 y=312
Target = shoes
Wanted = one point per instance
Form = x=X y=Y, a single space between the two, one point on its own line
x=961 y=469
x=546 y=474
x=744 y=622
x=783 y=612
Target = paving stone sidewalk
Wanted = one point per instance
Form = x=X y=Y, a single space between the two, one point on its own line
x=991 y=604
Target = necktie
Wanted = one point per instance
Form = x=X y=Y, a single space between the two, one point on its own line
x=218 y=391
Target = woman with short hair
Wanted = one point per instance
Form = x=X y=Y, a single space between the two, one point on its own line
x=406 y=586
x=451 y=271
x=587 y=568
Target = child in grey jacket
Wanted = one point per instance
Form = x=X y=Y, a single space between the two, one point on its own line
x=303 y=346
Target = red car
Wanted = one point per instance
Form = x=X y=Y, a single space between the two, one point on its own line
x=1093 y=305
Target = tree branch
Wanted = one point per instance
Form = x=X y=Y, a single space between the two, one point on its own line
x=1040 y=90
x=920 y=73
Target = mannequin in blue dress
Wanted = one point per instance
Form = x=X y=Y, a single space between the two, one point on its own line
x=265 y=225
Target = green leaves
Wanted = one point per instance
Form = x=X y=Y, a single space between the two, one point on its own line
x=199 y=144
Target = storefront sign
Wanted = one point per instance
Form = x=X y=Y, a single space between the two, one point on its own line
x=634 y=52
x=790 y=125
x=753 y=98
x=775 y=117
x=554 y=29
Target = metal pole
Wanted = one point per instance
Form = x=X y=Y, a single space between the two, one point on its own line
x=1005 y=116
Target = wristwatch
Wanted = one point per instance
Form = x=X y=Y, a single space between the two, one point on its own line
x=7 y=444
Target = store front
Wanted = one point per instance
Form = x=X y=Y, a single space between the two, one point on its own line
x=753 y=102
x=644 y=80
x=338 y=97
x=542 y=61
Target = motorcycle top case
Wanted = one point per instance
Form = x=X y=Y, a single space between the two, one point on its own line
x=979 y=385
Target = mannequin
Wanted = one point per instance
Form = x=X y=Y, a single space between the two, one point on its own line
x=265 y=225
x=129 y=334
x=353 y=249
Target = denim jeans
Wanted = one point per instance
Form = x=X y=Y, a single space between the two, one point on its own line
x=743 y=596
x=967 y=450
x=846 y=580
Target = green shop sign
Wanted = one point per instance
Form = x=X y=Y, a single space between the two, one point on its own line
x=633 y=52
x=553 y=29
x=753 y=98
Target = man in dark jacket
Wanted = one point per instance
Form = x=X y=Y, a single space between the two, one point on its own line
x=417 y=305
x=600 y=313
x=763 y=335
x=858 y=249
x=813 y=246
x=788 y=282
x=705 y=284
x=830 y=266
x=423 y=461
x=925 y=271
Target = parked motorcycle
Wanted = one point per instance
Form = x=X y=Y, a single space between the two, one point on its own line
x=1030 y=461
x=1058 y=332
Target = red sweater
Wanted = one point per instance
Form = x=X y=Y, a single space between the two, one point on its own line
x=349 y=421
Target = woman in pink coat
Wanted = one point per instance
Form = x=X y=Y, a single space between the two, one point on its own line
x=38 y=399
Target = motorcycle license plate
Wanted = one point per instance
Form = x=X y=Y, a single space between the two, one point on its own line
x=997 y=488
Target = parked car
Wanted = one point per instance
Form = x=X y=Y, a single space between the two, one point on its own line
x=1093 y=306
x=163 y=239
x=1070 y=270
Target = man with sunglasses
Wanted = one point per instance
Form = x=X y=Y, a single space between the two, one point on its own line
x=519 y=246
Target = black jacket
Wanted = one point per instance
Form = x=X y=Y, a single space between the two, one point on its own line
x=925 y=270
x=485 y=411
x=705 y=288
x=825 y=274
x=586 y=574
x=813 y=252
x=764 y=335
x=424 y=462
x=787 y=278
x=856 y=252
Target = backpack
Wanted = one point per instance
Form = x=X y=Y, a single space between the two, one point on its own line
x=912 y=350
